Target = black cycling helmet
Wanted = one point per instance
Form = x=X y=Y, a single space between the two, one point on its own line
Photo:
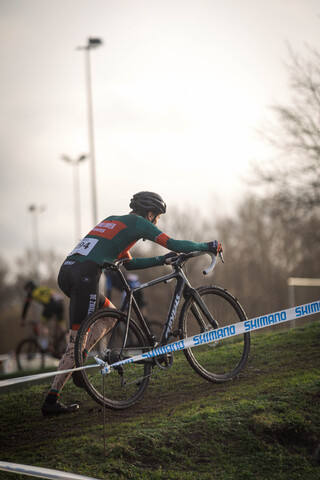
x=144 y=202
x=30 y=284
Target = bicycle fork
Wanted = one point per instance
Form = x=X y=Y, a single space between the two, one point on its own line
x=199 y=308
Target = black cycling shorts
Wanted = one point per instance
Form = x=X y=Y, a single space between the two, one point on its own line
x=80 y=282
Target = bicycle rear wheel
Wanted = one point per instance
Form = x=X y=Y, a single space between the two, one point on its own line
x=29 y=355
x=222 y=359
x=126 y=384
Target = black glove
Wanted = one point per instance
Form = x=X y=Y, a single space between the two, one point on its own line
x=215 y=247
x=167 y=259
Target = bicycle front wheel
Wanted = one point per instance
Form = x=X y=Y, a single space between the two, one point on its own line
x=222 y=359
x=126 y=384
x=29 y=355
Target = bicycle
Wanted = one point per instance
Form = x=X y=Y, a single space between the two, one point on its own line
x=35 y=353
x=205 y=308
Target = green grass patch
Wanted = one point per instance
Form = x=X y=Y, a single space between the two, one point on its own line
x=264 y=425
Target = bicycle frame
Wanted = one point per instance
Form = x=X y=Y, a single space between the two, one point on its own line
x=182 y=289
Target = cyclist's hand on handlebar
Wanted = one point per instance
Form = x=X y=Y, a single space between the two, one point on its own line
x=167 y=259
x=215 y=247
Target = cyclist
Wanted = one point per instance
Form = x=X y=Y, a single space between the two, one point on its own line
x=52 y=302
x=80 y=273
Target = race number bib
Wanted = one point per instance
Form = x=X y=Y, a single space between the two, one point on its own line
x=85 y=246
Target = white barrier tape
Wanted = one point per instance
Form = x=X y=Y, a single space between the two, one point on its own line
x=211 y=336
x=38 y=376
x=39 y=472
x=224 y=332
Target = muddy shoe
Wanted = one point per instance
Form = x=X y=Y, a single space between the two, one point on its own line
x=58 y=408
x=78 y=379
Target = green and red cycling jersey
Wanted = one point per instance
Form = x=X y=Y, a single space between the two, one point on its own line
x=112 y=239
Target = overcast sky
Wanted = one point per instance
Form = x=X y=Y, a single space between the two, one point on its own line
x=178 y=88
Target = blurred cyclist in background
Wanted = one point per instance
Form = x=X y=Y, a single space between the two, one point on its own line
x=53 y=308
x=51 y=300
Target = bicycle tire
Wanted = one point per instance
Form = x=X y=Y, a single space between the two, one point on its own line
x=125 y=385
x=29 y=355
x=223 y=359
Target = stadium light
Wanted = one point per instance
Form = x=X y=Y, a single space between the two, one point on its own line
x=91 y=44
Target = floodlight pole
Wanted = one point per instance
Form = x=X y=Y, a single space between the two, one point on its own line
x=92 y=43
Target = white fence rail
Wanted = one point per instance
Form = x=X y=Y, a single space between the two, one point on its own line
x=40 y=472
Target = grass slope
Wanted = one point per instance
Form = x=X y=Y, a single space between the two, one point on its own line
x=264 y=425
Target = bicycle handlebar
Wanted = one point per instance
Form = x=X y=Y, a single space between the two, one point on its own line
x=181 y=257
x=185 y=256
x=213 y=262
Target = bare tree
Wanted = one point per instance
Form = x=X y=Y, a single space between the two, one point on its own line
x=255 y=263
x=292 y=205
x=294 y=172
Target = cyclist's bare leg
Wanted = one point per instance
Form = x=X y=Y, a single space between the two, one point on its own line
x=98 y=330
x=51 y=405
x=67 y=362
